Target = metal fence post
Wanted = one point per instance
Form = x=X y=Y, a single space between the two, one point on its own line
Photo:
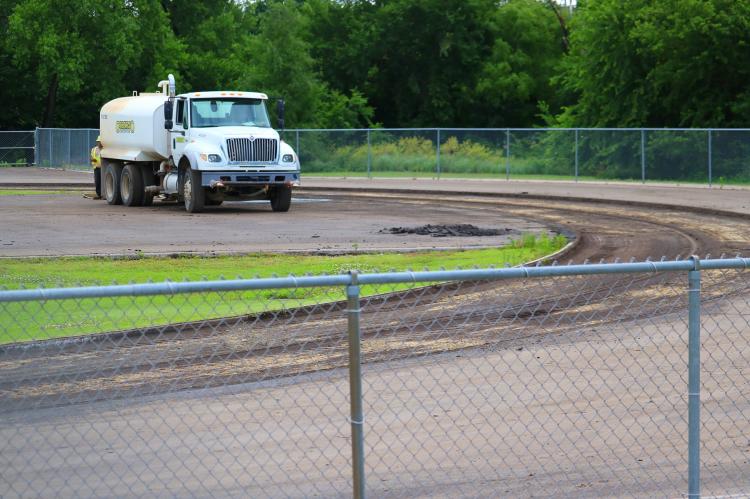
x=507 y=154
x=36 y=146
x=355 y=388
x=297 y=142
x=576 y=155
x=49 y=134
x=643 y=156
x=369 y=155
x=69 y=157
x=438 y=153
x=710 y=158
x=694 y=380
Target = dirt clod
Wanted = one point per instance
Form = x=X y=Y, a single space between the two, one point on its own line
x=457 y=230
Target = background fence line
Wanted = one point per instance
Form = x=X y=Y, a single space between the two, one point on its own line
x=370 y=364
x=699 y=155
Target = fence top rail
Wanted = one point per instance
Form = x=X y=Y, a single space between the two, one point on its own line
x=460 y=129
x=171 y=288
x=547 y=129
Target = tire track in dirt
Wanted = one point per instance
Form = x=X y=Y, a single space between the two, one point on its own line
x=427 y=320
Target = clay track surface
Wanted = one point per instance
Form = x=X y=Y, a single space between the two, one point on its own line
x=405 y=324
x=58 y=225
x=585 y=374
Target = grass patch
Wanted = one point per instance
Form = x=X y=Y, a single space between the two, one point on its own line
x=26 y=321
x=33 y=192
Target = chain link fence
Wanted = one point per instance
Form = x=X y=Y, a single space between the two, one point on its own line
x=65 y=147
x=17 y=148
x=708 y=156
x=583 y=380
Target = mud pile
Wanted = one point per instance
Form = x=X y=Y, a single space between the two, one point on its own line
x=458 y=230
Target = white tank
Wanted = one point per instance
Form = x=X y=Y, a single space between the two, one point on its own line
x=132 y=128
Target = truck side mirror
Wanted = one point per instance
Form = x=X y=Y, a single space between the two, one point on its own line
x=280 y=113
x=168 y=110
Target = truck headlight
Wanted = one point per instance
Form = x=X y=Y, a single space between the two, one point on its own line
x=211 y=158
x=288 y=158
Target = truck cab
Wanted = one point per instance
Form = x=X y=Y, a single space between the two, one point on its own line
x=227 y=138
x=200 y=148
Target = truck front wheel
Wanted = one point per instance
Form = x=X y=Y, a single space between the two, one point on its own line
x=193 y=192
x=112 y=174
x=131 y=186
x=281 y=198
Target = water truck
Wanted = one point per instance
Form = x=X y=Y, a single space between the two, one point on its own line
x=199 y=148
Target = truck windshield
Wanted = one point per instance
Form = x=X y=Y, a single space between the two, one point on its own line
x=206 y=113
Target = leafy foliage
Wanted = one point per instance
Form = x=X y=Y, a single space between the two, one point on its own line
x=396 y=63
x=667 y=63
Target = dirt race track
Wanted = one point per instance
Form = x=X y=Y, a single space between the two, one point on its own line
x=252 y=399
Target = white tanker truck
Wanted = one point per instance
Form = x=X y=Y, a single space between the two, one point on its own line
x=198 y=148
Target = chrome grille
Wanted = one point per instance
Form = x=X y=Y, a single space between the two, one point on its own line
x=257 y=150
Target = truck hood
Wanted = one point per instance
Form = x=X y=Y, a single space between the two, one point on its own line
x=219 y=134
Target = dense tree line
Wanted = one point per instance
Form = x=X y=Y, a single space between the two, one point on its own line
x=405 y=63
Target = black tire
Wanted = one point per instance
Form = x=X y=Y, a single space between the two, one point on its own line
x=131 y=185
x=193 y=192
x=281 y=198
x=148 y=179
x=111 y=183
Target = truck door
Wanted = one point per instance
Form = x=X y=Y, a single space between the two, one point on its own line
x=179 y=130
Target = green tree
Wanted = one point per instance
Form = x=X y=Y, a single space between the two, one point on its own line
x=211 y=33
x=278 y=62
x=515 y=76
x=427 y=56
x=668 y=63
x=343 y=41
x=83 y=58
x=19 y=87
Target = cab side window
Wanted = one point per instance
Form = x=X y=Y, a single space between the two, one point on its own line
x=181 y=114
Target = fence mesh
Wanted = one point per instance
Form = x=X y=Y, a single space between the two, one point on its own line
x=559 y=387
x=564 y=386
x=213 y=394
x=671 y=155
x=16 y=148
x=65 y=147
x=725 y=375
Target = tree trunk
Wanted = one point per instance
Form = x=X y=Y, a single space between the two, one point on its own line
x=49 y=109
x=565 y=33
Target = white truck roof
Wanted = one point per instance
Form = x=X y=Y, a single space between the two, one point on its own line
x=225 y=93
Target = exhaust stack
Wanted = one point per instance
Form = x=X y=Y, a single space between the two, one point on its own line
x=168 y=86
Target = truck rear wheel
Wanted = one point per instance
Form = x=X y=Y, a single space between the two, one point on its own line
x=131 y=185
x=112 y=174
x=281 y=198
x=193 y=192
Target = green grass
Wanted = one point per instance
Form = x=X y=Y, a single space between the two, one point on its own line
x=26 y=321
x=32 y=192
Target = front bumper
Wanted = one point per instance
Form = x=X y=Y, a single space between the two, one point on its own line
x=239 y=179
